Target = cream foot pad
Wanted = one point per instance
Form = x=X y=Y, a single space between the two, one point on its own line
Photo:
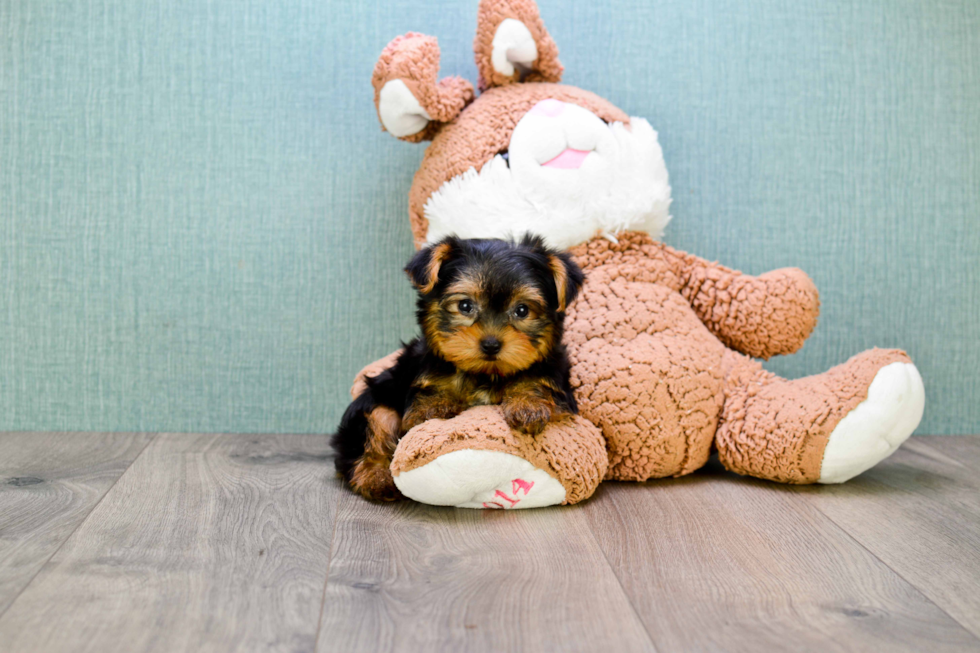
x=877 y=426
x=475 y=460
x=481 y=479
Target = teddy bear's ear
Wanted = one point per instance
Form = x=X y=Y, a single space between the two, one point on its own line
x=411 y=104
x=512 y=45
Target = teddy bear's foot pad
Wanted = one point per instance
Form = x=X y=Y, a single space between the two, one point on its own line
x=472 y=478
x=877 y=426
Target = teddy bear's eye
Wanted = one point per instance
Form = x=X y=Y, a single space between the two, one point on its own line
x=505 y=155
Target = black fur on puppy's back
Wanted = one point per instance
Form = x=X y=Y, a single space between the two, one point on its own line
x=392 y=388
x=349 y=440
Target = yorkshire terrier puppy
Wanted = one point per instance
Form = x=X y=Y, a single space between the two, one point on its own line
x=491 y=314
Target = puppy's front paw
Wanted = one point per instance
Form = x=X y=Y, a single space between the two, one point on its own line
x=528 y=416
x=424 y=411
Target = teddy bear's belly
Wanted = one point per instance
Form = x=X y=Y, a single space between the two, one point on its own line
x=649 y=374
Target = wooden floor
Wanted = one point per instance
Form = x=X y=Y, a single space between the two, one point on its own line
x=139 y=542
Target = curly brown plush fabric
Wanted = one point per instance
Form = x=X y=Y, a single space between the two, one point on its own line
x=647 y=339
x=778 y=429
x=663 y=344
x=546 y=68
x=414 y=59
x=571 y=450
x=760 y=316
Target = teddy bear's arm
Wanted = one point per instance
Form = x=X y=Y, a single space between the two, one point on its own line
x=760 y=316
x=372 y=369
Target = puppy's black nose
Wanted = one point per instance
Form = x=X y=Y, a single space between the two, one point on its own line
x=490 y=346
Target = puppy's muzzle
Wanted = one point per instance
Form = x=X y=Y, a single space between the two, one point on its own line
x=490 y=346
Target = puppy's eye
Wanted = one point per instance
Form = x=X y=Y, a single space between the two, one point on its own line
x=522 y=311
x=465 y=306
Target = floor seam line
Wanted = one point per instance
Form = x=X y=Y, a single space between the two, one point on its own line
x=326 y=580
x=152 y=438
x=619 y=582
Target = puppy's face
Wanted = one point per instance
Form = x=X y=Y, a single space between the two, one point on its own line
x=493 y=306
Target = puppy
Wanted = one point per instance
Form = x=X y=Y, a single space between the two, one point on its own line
x=491 y=314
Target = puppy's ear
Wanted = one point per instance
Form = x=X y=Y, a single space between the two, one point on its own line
x=568 y=278
x=423 y=269
x=567 y=274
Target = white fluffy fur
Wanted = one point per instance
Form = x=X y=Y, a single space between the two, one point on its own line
x=622 y=184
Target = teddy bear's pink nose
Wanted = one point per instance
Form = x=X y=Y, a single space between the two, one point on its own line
x=548 y=108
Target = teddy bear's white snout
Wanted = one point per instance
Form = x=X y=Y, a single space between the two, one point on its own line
x=559 y=136
x=568 y=175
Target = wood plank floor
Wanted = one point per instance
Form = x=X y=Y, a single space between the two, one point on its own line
x=165 y=542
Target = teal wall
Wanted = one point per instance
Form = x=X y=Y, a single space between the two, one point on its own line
x=202 y=226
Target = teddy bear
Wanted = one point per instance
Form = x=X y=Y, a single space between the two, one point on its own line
x=665 y=346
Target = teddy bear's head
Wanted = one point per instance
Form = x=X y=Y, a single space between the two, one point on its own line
x=527 y=155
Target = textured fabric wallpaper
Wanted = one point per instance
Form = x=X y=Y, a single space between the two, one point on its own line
x=202 y=226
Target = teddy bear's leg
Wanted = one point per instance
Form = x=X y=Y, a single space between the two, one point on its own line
x=825 y=428
x=475 y=460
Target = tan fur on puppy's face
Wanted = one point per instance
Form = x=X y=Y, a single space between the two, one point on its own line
x=462 y=348
x=466 y=315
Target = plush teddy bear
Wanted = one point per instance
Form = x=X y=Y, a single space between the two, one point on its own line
x=663 y=344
